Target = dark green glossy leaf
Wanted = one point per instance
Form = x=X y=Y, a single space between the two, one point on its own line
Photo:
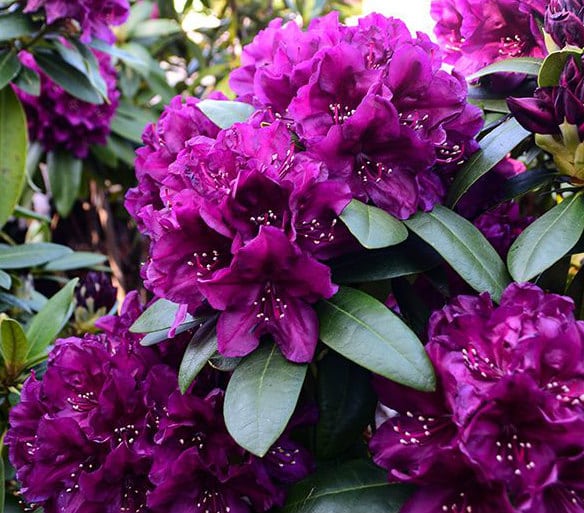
x=160 y=315
x=372 y=227
x=67 y=76
x=346 y=404
x=29 y=81
x=65 y=173
x=155 y=337
x=155 y=28
x=9 y=67
x=353 y=487
x=16 y=302
x=15 y=25
x=31 y=255
x=260 y=398
x=44 y=327
x=553 y=65
x=366 y=332
x=13 y=148
x=464 y=247
x=546 y=240
x=200 y=349
x=523 y=183
x=494 y=147
x=77 y=260
x=410 y=257
x=5 y=280
x=223 y=363
x=13 y=345
x=524 y=65
x=225 y=113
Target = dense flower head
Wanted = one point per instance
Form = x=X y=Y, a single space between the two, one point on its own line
x=94 y=16
x=507 y=419
x=564 y=22
x=370 y=101
x=107 y=430
x=476 y=33
x=59 y=121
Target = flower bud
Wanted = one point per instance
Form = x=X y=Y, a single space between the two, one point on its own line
x=564 y=22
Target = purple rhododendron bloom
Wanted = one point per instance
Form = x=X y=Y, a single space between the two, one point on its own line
x=107 y=430
x=564 y=22
x=269 y=289
x=370 y=101
x=476 y=33
x=93 y=16
x=59 y=121
x=503 y=431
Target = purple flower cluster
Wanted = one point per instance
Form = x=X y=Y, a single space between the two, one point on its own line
x=60 y=121
x=370 y=101
x=94 y=16
x=564 y=22
x=504 y=431
x=238 y=219
x=476 y=33
x=106 y=431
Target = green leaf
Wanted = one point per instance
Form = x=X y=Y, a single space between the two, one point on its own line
x=65 y=173
x=346 y=404
x=372 y=227
x=196 y=356
x=14 y=345
x=128 y=128
x=410 y=257
x=119 y=53
x=464 y=247
x=225 y=113
x=368 y=333
x=261 y=397
x=29 y=81
x=13 y=148
x=155 y=337
x=31 y=255
x=553 y=65
x=546 y=240
x=527 y=181
x=494 y=147
x=25 y=213
x=67 y=76
x=155 y=28
x=352 y=487
x=15 y=25
x=77 y=260
x=91 y=69
x=5 y=280
x=525 y=65
x=9 y=67
x=44 y=327
x=160 y=315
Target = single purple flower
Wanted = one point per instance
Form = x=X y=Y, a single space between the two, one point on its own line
x=60 y=121
x=269 y=289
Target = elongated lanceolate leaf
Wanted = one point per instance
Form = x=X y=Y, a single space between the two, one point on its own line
x=260 y=398
x=158 y=316
x=196 y=356
x=547 y=240
x=31 y=255
x=524 y=65
x=368 y=333
x=225 y=113
x=464 y=247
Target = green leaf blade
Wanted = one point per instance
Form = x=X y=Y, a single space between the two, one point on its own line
x=225 y=113
x=524 y=65
x=31 y=255
x=65 y=173
x=196 y=356
x=368 y=333
x=77 y=260
x=547 y=239
x=464 y=247
x=494 y=147
x=14 y=345
x=260 y=398
x=352 y=487
x=13 y=150
x=160 y=315
x=372 y=227
x=48 y=323
x=9 y=67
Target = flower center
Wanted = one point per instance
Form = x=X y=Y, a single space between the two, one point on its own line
x=82 y=402
x=369 y=171
x=446 y=153
x=414 y=120
x=428 y=427
x=481 y=365
x=205 y=262
x=212 y=502
x=314 y=231
x=514 y=452
x=511 y=46
x=271 y=307
x=460 y=505
x=133 y=499
x=282 y=456
x=340 y=113
x=127 y=433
